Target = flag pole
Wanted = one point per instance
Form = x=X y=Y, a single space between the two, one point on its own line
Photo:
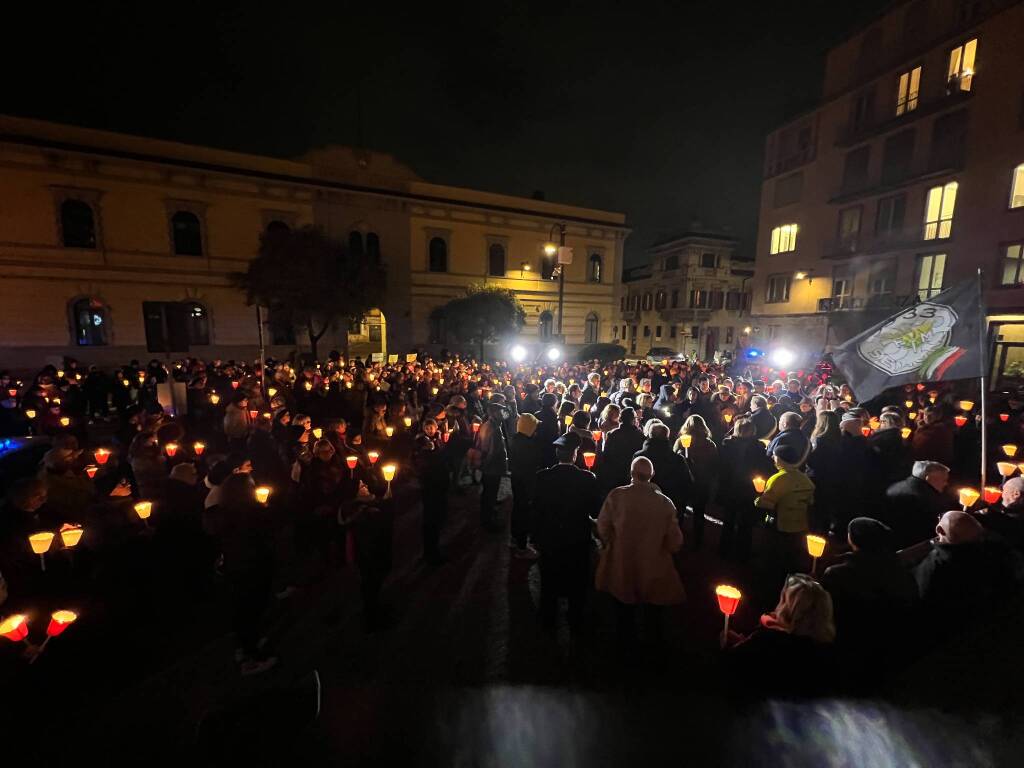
x=983 y=341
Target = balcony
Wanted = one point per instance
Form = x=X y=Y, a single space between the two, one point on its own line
x=875 y=243
x=882 y=302
x=687 y=315
x=854 y=134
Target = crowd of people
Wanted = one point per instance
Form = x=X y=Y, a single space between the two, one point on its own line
x=603 y=462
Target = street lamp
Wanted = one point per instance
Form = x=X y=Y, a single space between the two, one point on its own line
x=551 y=249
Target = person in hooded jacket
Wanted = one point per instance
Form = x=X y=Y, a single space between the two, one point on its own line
x=672 y=474
x=620 y=445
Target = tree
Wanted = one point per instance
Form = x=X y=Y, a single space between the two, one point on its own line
x=484 y=315
x=311 y=282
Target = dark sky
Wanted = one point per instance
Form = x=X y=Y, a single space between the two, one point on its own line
x=656 y=109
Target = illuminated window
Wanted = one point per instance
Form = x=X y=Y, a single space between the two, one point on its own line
x=1017 y=187
x=961 y=66
x=660 y=300
x=842 y=288
x=89 y=318
x=930 y=271
x=777 y=289
x=648 y=301
x=1013 y=259
x=784 y=238
x=188 y=236
x=594 y=268
x=938 y=216
x=699 y=299
x=590 y=329
x=849 y=223
x=907 y=90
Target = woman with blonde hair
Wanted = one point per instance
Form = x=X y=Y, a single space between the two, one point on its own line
x=701 y=455
x=791 y=653
x=609 y=418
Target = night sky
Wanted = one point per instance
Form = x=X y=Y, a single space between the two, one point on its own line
x=655 y=109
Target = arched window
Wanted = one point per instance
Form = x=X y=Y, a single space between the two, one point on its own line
x=89 y=320
x=594 y=268
x=544 y=325
x=355 y=243
x=197 y=320
x=547 y=267
x=77 y=224
x=590 y=329
x=188 y=236
x=373 y=247
x=438 y=255
x=660 y=300
x=648 y=301
x=496 y=260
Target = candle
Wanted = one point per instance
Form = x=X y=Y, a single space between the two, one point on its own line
x=434 y=391
x=12 y=392
x=15 y=628
x=407 y=420
x=686 y=440
x=262 y=494
x=40 y=542
x=318 y=432
x=198 y=447
x=1004 y=417
x=874 y=423
x=144 y=509
x=309 y=386
x=1006 y=468
x=91 y=471
x=30 y=413
x=992 y=494
x=389 y=470
x=866 y=431
x=906 y=432
x=214 y=398
x=727 y=418
x=171 y=448
x=967 y=497
x=589 y=457
x=234 y=384
x=912 y=415
x=126 y=382
x=351 y=461
x=596 y=434
x=445 y=435
x=71 y=535
x=959 y=420
x=909 y=403
x=728 y=602
x=59 y=621
x=373 y=456
x=1010 y=450
x=815 y=545
x=568 y=420
x=253 y=413
x=389 y=431
x=271 y=391
x=476 y=427
x=102 y=454
x=966 y=405
x=586 y=407
x=759 y=484
x=65 y=421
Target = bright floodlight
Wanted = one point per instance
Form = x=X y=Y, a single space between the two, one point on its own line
x=554 y=353
x=782 y=357
x=519 y=353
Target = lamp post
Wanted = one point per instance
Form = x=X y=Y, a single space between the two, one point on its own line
x=555 y=250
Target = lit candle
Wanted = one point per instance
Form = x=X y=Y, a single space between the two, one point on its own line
x=214 y=398
x=30 y=413
x=15 y=628
x=318 y=432
x=1004 y=417
x=1010 y=450
x=407 y=421
x=586 y=407
x=596 y=434
x=12 y=392
x=70 y=535
x=874 y=423
x=102 y=454
x=568 y=420
x=271 y=391
x=126 y=382
x=906 y=432
x=589 y=457
x=727 y=417
x=373 y=456
x=198 y=447
x=40 y=543
x=1006 y=468
x=389 y=470
x=434 y=390
x=171 y=448
x=966 y=405
x=91 y=471
x=992 y=494
x=912 y=415
x=59 y=621
x=445 y=435
x=686 y=440
x=65 y=421
x=309 y=386
x=967 y=497
x=866 y=431
x=253 y=413
x=759 y=484
x=476 y=427
x=144 y=509
x=348 y=385
x=234 y=384
x=262 y=494
x=389 y=430
x=909 y=403
x=728 y=602
x=351 y=461
x=815 y=548
x=959 y=420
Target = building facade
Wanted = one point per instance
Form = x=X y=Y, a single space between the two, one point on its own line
x=906 y=179
x=116 y=247
x=691 y=298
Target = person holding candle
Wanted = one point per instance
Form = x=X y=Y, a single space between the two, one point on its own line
x=701 y=456
x=237 y=420
x=933 y=439
x=493 y=461
x=670 y=469
x=1006 y=519
x=892 y=451
x=620 y=446
x=565 y=500
x=786 y=502
x=764 y=422
x=524 y=464
x=548 y=428
x=591 y=393
x=581 y=427
x=639 y=528
x=791 y=433
x=791 y=653
x=741 y=458
x=432 y=471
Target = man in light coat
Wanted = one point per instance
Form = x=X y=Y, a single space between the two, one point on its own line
x=640 y=532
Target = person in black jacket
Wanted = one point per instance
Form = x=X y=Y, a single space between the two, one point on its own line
x=741 y=459
x=764 y=422
x=671 y=472
x=565 y=502
x=524 y=463
x=548 y=428
x=892 y=450
x=620 y=445
x=432 y=471
x=914 y=505
x=592 y=391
